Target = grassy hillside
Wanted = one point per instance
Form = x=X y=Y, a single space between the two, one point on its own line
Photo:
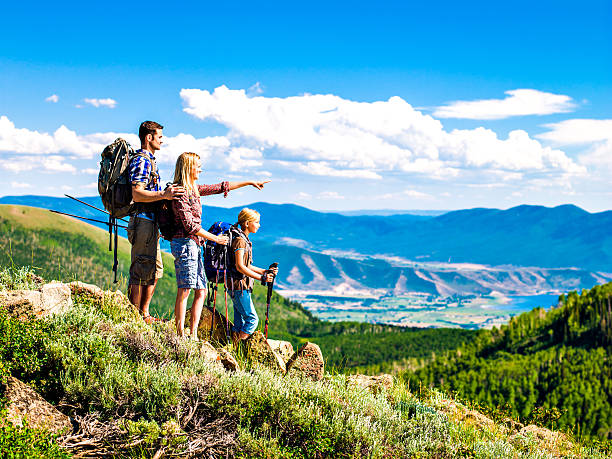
x=64 y=248
x=556 y=365
x=137 y=391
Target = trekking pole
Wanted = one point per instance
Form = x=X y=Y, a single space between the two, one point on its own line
x=116 y=262
x=85 y=218
x=227 y=328
x=93 y=207
x=214 y=311
x=209 y=297
x=268 y=296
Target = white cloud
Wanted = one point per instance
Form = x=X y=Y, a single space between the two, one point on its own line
x=330 y=195
x=205 y=147
x=108 y=102
x=323 y=168
x=520 y=102
x=595 y=135
x=27 y=163
x=578 y=132
x=410 y=193
x=90 y=171
x=20 y=185
x=255 y=90
x=65 y=188
x=242 y=158
x=328 y=135
x=91 y=186
x=64 y=141
x=54 y=98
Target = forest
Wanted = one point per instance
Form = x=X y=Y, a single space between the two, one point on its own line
x=554 y=364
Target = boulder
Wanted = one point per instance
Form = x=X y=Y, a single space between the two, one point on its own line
x=52 y=298
x=308 y=360
x=259 y=351
x=219 y=334
x=91 y=290
x=372 y=383
x=465 y=415
x=25 y=403
x=556 y=443
x=227 y=360
x=208 y=352
x=282 y=348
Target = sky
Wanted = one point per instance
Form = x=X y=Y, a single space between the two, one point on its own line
x=342 y=105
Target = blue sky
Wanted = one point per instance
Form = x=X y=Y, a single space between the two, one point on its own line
x=343 y=105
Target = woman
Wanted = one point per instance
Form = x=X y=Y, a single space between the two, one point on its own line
x=187 y=242
x=240 y=282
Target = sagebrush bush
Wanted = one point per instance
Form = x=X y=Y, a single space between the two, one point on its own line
x=139 y=385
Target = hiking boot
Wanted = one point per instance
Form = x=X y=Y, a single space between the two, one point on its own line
x=150 y=319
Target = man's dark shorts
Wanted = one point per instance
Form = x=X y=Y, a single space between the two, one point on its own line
x=147 y=263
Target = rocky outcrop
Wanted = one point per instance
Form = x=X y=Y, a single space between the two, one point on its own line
x=373 y=383
x=81 y=288
x=219 y=334
x=228 y=361
x=555 y=443
x=461 y=413
x=51 y=298
x=308 y=361
x=208 y=352
x=283 y=348
x=25 y=404
x=258 y=350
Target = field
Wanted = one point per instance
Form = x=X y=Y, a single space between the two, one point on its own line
x=423 y=310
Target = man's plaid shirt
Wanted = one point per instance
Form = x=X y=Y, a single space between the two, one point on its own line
x=141 y=171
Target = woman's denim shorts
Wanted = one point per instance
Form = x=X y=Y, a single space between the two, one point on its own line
x=188 y=263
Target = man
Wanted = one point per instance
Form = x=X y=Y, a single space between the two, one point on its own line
x=143 y=233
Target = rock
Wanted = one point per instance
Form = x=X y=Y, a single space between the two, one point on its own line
x=555 y=443
x=308 y=360
x=282 y=348
x=228 y=360
x=219 y=333
x=372 y=383
x=464 y=414
x=81 y=288
x=208 y=352
x=258 y=350
x=52 y=298
x=25 y=403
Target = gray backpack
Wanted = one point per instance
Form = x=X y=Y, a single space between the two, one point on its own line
x=115 y=188
x=113 y=180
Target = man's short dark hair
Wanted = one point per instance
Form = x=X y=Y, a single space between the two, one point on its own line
x=148 y=127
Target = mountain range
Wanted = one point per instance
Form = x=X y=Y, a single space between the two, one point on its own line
x=519 y=251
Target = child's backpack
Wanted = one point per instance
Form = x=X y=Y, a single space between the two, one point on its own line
x=220 y=258
x=216 y=257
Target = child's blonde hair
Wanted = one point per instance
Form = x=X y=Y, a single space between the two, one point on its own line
x=182 y=172
x=247 y=215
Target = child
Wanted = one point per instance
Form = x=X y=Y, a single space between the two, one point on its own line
x=240 y=281
x=186 y=245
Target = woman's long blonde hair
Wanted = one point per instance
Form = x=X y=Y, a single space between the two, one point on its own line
x=247 y=215
x=182 y=172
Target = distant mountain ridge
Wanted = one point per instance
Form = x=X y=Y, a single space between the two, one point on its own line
x=562 y=236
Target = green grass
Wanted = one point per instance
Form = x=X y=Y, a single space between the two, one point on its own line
x=151 y=392
x=63 y=248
